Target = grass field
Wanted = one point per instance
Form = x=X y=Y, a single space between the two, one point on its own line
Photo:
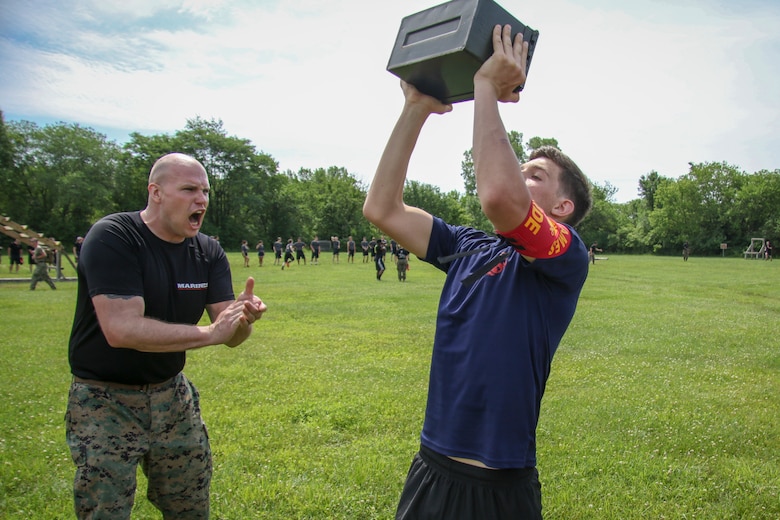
x=664 y=399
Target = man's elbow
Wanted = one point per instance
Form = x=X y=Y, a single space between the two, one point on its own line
x=116 y=337
x=372 y=213
x=494 y=203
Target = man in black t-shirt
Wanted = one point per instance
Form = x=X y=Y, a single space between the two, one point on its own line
x=278 y=247
x=299 y=254
x=144 y=280
x=335 y=245
x=15 y=255
x=379 y=256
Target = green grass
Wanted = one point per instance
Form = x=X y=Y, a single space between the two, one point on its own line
x=664 y=399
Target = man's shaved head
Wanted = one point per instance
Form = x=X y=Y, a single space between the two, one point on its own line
x=165 y=164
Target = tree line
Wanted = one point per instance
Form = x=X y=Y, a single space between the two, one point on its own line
x=61 y=178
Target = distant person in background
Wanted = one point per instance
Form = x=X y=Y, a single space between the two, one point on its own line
x=278 y=248
x=594 y=248
x=335 y=245
x=245 y=252
x=315 y=250
x=364 y=247
x=77 y=247
x=380 y=250
x=299 y=254
x=144 y=281
x=260 y=253
x=288 y=253
x=372 y=248
x=350 y=249
x=41 y=273
x=14 y=255
x=402 y=262
x=686 y=251
x=30 y=257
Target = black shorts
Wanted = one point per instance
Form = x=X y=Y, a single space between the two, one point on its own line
x=439 y=487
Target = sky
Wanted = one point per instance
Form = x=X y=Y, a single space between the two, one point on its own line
x=625 y=87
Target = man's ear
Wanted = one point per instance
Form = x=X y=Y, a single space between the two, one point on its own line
x=154 y=192
x=562 y=209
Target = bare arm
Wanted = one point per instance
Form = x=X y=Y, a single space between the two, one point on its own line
x=501 y=185
x=124 y=325
x=384 y=205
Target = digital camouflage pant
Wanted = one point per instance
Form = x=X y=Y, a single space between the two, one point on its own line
x=402 y=265
x=41 y=274
x=111 y=430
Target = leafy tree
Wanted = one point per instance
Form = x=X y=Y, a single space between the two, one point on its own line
x=601 y=224
x=428 y=197
x=6 y=148
x=648 y=185
x=64 y=177
x=535 y=143
x=755 y=208
x=140 y=154
x=330 y=202
x=633 y=233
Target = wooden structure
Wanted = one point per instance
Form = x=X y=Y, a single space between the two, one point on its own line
x=756 y=249
x=25 y=235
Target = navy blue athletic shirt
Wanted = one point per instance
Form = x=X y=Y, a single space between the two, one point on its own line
x=494 y=344
x=120 y=255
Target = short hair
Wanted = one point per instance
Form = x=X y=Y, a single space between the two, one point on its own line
x=573 y=183
x=163 y=165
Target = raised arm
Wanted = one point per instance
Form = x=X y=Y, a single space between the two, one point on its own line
x=384 y=205
x=501 y=186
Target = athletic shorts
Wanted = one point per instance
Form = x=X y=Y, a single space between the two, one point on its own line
x=438 y=487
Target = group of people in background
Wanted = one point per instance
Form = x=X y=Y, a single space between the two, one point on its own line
x=37 y=259
x=374 y=250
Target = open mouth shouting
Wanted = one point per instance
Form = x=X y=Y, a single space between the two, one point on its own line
x=196 y=218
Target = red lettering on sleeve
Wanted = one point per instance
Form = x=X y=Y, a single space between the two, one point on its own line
x=526 y=238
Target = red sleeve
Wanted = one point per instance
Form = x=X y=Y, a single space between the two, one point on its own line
x=539 y=236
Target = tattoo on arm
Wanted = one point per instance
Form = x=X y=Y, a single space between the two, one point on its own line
x=119 y=296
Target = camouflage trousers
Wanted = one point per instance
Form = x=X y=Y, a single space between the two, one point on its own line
x=111 y=430
x=401 y=265
x=41 y=274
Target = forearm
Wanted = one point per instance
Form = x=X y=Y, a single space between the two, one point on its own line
x=500 y=184
x=149 y=335
x=386 y=191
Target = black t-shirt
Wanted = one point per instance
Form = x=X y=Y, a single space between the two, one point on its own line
x=120 y=255
x=16 y=250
